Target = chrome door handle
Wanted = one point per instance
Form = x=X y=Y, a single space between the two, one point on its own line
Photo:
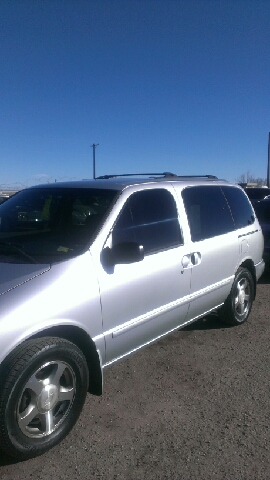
x=188 y=261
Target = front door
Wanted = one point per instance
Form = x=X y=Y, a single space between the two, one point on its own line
x=141 y=301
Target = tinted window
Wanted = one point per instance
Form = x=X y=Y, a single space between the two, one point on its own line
x=51 y=224
x=240 y=206
x=149 y=218
x=208 y=212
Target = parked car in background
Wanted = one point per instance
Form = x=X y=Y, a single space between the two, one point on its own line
x=5 y=195
x=3 y=198
x=262 y=210
x=255 y=194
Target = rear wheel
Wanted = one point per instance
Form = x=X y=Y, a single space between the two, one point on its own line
x=42 y=395
x=237 y=307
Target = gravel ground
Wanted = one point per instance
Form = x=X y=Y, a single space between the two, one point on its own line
x=194 y=405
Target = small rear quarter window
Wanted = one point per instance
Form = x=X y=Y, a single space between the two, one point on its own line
x=240 y=206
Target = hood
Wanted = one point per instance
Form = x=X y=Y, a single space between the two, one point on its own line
x=12 y=275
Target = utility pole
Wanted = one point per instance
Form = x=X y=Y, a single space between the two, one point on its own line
x=94 y=159
x=268 y=164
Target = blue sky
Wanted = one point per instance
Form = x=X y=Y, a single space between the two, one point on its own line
x=161 y=85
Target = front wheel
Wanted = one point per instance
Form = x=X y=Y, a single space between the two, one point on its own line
x=42 y=395
x=237 y=307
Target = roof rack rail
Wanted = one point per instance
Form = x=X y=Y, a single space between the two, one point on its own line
x=153 y=175
x=210 y=177
x=164 y=174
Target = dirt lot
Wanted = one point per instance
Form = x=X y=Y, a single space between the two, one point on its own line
x=195 y=405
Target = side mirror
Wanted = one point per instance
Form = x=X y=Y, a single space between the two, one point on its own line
x=122 y=253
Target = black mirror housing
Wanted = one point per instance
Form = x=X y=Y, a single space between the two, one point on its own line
x=122 y=253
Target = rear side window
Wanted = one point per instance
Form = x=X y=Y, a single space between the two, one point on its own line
x=240 y=206
x=208 y=212
x=149 y=218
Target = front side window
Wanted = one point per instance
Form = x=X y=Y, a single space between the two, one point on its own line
x=149 y=218
x=43 y=225
x=208 y=212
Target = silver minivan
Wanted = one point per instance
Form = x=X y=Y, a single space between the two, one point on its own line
x=93 y=270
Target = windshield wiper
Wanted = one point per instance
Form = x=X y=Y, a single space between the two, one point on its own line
x=18 y=250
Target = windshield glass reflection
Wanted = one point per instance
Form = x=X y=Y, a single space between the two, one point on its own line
x=44 y=225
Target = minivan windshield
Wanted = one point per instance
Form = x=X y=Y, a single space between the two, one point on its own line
x=46 y=225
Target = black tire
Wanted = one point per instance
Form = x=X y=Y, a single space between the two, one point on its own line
x=42 y=394
x=237 y=307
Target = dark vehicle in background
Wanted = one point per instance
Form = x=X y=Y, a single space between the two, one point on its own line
x=262 y=209
x=256 y=194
